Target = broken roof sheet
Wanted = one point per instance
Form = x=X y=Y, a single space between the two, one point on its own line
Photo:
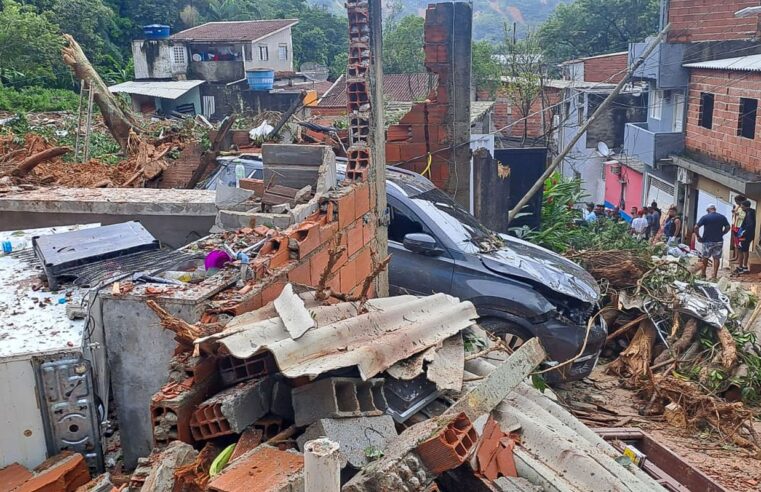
x=170 y=89
x=251 y=30
x=394 y=329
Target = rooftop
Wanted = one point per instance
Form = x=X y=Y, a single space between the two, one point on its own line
x=170 y=89
x=750 y=63
x=234 y=31
x=402 y=87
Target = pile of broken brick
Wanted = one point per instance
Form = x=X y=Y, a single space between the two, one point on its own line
x=397 y=394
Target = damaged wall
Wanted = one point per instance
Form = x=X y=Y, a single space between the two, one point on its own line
x=440 y=126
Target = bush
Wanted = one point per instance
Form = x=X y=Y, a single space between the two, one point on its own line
x=37 y=99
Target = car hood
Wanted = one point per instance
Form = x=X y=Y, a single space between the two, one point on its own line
x=518 y=258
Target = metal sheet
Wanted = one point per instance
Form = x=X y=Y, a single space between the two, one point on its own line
x=167 y=90
x=22 y=434
x=70 y=409
x=750 y=63
x=372 y=342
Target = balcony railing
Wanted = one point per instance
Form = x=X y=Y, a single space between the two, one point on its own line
x=217 y=71
x=648 y=146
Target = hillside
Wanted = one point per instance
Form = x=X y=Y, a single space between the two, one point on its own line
x=489 y=16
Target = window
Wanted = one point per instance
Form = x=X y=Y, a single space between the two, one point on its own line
x=746 y=124
x=264 y=53
x=656 y=104
x=402 y=224
x=248 y=51
x=580 y=109
x=178 y=52
x=706 y=110
x=282 y=52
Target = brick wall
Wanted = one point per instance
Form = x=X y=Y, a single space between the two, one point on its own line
x=606 y=68
x=506 y=113
x=710 y=20
x=722 y=142
x=300 y=254
x=427 y=127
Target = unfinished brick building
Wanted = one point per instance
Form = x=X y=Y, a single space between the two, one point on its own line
x=439 y=128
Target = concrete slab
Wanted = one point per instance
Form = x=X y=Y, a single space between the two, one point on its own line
x=357 y=436
x=175 y=217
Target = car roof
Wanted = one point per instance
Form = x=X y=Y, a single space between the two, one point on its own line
x=410 y=183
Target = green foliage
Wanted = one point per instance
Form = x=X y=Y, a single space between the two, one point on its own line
x=486 y=70
x=91 y=23
x=538 y=382
x=37 y=99
x=30 y=47
x=594 y=27
x=403 y=46
x=522 y=65
x=373 y=453
x=563 y=228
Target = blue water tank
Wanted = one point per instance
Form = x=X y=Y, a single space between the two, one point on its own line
x=260 y=79
x=156 y=31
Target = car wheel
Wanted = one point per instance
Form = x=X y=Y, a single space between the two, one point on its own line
x=513 y=336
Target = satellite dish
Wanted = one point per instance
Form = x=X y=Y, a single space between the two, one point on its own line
x=604 y=150
x=315 y=72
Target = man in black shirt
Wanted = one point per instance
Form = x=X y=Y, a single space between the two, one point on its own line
x=745 y=235
x=715 y=226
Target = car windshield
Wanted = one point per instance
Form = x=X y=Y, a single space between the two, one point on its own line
x=464 y=229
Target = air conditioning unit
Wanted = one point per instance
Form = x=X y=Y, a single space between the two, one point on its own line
x=684 y=176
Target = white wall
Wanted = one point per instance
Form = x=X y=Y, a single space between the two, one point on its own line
x=273 y=42
x=155 y=59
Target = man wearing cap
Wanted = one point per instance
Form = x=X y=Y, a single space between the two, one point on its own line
x=715 y=226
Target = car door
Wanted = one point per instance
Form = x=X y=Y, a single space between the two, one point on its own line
x=413 y=273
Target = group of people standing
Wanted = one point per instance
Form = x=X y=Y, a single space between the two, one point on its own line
x=647 y=224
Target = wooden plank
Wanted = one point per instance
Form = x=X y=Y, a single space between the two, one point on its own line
x=496 y=386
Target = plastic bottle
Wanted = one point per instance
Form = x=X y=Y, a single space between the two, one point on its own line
x=240 y=173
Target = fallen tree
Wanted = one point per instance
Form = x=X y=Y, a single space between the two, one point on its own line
x=122 y=124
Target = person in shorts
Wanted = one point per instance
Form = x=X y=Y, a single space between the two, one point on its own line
x=715 y=226
x=746 y=233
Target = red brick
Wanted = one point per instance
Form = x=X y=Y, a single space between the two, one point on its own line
x=272 y=290
x=251 y=302
x=348 y=275
x=364 y=261
x=302 y=274
x=13 y=475
x=494 y=454
x=393 y=152
x=277 y=250
x=368 y=232
x=318 y=263
x=267 y=467
x=308 y=237
x=328 y=232
x=346 y=209
x=63 y=472
x=361 y=200
x=354 y=237
x=450 y=447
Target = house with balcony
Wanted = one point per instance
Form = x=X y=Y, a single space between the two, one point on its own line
x=202 y=70
x=586 y=84
x=696 y=145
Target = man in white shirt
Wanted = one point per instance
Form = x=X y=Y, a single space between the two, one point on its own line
x=591 y=216
x=639 y=225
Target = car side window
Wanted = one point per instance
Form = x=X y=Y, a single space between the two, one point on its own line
x=403 y=223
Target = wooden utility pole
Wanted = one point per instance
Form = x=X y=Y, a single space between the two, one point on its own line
x=539 y=185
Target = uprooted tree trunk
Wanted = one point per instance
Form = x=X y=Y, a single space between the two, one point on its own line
x=635 y=360
x=26 y=166
x=681 y=344
x=119 y=122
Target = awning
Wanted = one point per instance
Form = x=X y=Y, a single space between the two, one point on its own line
x=733 y=177
x=171 y=89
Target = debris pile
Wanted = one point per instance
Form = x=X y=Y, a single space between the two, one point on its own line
x=688 y=346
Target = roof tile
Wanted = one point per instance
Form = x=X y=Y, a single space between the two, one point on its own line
x=396 y=87
x=234 y=31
